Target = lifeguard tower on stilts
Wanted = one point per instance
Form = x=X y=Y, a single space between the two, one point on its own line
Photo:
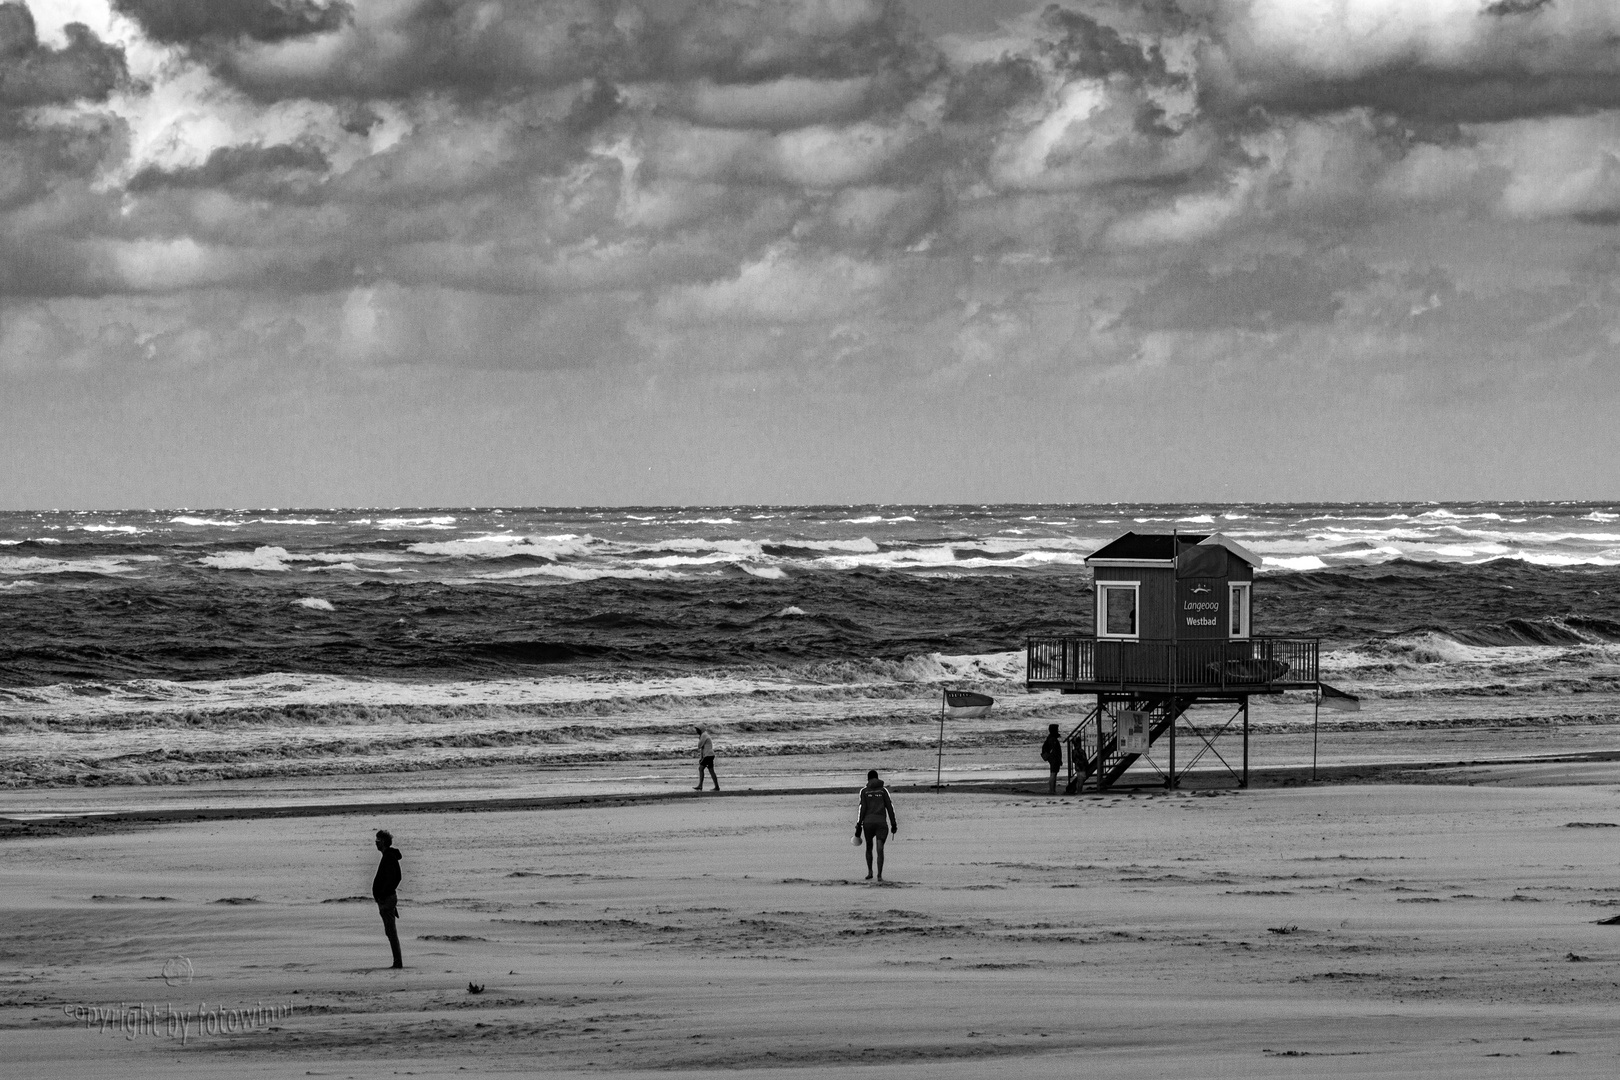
x=1172 y=632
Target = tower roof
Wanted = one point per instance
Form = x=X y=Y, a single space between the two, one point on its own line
x=1163 y=547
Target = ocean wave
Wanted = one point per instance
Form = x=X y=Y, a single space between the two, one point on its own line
x=271 y=559
x=265 y=559
x=859 y=545
x=33 y=564
x=389 y=524
x=562 y=572
x=186 y=519
x=509 y=545
x=314 y=603
x=1298 y=562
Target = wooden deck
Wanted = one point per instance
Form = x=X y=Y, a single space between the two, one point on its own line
x=1088 y=665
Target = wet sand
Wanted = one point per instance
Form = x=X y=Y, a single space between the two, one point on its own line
x=1360 y=930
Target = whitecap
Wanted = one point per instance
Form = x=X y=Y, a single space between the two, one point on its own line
x=575 y=573
x=787 y=612
x=733 y=547
x=270 y=559
x=504 y=545
x=187 y=520
x=1302 y=562
x=315 y=603
x=864 y=545
x=33 y=564
x=692 y=560
x=769 y=573
x=1552 y=559
x=444 y=522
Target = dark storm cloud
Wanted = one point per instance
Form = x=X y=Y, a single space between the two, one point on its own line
x=304 y=49
x=255 y=170
x=62 y=158
x=1427 y=95
x=187 y=22
x=1514 y=7
x=35 y=74
x=1505 y=60
x=984 y=91
x=1084 y=47
x=735 y=162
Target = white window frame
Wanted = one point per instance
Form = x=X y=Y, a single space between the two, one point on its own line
x=1102 y=612
x=1233 y=589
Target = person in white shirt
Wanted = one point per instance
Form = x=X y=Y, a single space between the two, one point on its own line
x=706 y=759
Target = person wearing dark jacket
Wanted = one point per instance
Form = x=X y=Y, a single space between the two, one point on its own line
x=876 y=820
x=1052 y=754
x=385 y=890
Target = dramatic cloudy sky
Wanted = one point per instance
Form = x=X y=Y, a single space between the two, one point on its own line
x=316 y=252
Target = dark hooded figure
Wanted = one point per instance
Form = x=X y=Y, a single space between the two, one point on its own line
x=1052 y=754
x=385 y=889
x=877 y=820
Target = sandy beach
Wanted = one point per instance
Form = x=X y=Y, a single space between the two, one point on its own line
x=1440 y=929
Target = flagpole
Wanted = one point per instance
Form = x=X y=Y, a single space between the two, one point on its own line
x=1316 y=724
x=939 y=761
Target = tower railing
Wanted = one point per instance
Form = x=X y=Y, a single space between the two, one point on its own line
x=1259 y=664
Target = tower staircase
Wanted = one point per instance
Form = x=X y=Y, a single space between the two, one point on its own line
x=1094 y=751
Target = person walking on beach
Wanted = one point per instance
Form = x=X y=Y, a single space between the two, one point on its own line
x=385 y=890
x=706 y=758
x=1052 y=754
x=877 y=820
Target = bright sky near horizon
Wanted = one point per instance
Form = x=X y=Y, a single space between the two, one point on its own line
x=496 y=252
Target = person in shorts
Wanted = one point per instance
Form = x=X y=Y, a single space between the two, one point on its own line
x=706 y=759
x=876 y=821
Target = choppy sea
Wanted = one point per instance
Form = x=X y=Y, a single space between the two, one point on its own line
x=159 y=647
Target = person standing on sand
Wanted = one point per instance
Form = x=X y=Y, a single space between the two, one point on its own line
x=706 y=758
x=385 y=890
x=877 y=820
x=1052 y=754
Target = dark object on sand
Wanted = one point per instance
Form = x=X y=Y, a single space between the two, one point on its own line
x=475 y=988
x=706 y=759
x=875 y=820
x=1613 y=920
x=1052 y=754
x=385 y=890
x=1591 y=825
x=1289 y=929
